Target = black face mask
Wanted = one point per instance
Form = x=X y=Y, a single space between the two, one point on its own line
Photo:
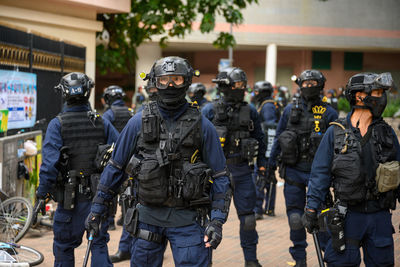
x=235 y=95
x=376 y=104
x=262 y=96
x=171 y=98
x=310 y=94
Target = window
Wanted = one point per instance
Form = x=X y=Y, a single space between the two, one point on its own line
x=353 y=61
x=321 y=60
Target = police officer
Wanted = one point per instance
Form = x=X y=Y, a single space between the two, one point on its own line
x=78 y=131
x=300 y=129
x=196 y=93
x=360 y=156
x=332 y=99
x=238 y=126
x=117 y=113
x=269 y=115
x=174 y=153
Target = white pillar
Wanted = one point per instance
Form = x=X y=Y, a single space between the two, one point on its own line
x=148 y=53
x=270 y=68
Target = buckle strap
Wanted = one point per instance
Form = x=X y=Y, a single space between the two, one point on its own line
x=294 y=183
x=149 y=236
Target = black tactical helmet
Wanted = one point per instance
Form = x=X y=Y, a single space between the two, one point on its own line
x=366 y=82
x=197 y=89
x=263 y=86
x=149 y=85
x=174 y=66
x=315 y=75
x=227 y=77
x=75 y=87
x=113 y=93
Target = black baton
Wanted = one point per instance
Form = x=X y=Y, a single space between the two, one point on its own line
x=318 y=249
x=89 y=246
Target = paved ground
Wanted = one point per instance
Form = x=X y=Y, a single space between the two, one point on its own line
x=272 y=248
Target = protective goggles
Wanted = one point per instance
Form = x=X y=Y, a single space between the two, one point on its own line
x=177 y=81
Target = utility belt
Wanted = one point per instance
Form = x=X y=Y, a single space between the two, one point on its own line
x=75 y=186
x=236 y=160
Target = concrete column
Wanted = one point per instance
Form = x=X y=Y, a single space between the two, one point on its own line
x=148 y=53
x=270 y=68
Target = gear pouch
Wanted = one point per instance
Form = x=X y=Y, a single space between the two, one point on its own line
x=289 y=150
x=153 y=182
x=222 y=132
x=133 y=166
x=195 y=180
x=315 y=140
x=94 y=183
x=387 y=176
x=103 y=154
x=249 y=148
x=131 y=220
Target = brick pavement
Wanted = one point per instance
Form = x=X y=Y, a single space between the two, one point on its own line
x=272 y=248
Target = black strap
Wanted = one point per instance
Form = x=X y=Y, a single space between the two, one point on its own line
x=115 y=164
x=294 y=183
x=235 y=160
x=149 y=236
x=224 y=172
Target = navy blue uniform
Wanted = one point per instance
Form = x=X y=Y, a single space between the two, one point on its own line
x=244 y=195
x=179 y=226
x=268 y=116
x=295 y=192
x=69 y=225
x=109 y=114
x=372 y=228
x=126 y=239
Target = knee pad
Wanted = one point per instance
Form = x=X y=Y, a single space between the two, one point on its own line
x=295 y=221
x=249 y=223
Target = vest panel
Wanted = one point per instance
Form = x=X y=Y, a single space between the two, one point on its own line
x=121 y=116
x=355 y=162
x=82 y=135
x=171 y=161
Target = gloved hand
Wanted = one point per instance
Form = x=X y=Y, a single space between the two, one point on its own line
x=310 y=221
x=213 y=234
x=92 y=223
x=40 y=206
x=261 y=180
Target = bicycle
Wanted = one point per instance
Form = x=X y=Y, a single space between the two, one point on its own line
x=15 y=217
x=18 y=255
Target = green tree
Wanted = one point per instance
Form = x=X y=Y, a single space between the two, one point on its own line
x=164 y=18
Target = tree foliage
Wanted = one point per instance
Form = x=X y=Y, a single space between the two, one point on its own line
x=165 y=19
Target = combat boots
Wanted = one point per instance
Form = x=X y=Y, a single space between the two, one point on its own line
x=252 y=264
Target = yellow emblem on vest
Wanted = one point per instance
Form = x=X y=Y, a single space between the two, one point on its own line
x=319 y=109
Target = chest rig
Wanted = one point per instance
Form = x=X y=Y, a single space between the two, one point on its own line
x=122 y=116
x=82 y=132
x=234 y=126
x=353 y=180
x=304 y=131
x=170 y=169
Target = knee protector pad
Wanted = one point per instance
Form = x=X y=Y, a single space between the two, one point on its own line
x=249 y=223
x=295 y=221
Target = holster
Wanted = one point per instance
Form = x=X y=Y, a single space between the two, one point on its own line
x=131 y=220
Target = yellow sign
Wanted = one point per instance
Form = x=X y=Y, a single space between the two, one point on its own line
x=3 y=120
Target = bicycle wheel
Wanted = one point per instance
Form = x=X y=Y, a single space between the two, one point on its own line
x=22 y=255
x=15 y=218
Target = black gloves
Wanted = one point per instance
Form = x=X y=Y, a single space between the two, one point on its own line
x=40 y=206
x=310 y=221
x=214 y=233
x=92 y=223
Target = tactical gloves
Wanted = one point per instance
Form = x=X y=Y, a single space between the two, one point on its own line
x=40 y=206
x=92 y=223
x=214 y=233
x=310 y=221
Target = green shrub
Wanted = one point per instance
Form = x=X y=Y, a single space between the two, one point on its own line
x=392 y=106
x=343 y=105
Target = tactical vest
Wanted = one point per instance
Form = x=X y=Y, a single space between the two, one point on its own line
x=82 y=132
x=171 y=172
x=122 y=115
x=304 y=131
x=350 y=181
x=234 y=125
